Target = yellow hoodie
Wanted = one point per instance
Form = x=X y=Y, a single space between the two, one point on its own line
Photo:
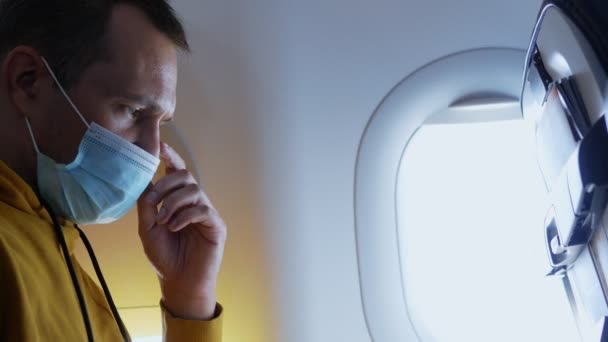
x=37 y=298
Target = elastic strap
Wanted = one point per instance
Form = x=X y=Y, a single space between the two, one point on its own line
x=104 y=286
x=29 y=128
x=75 y=282
x=65 y=94
x=68 y=260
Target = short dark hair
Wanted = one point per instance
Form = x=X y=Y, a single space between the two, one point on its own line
x=71 y=33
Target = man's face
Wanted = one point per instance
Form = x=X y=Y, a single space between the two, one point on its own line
x=132 y=93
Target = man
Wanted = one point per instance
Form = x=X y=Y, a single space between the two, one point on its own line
x=85 y=86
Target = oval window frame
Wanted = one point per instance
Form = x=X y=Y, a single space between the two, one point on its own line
x=447 y=82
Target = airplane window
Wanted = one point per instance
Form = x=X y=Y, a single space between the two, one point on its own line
x=470 y=206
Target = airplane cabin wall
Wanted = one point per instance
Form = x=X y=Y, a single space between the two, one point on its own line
x=274 y=101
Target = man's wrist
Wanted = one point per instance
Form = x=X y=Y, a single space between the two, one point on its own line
x=200 y=307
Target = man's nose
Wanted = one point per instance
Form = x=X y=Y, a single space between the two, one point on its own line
x=149 y=140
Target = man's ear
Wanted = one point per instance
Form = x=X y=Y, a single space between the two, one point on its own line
x=22 y=73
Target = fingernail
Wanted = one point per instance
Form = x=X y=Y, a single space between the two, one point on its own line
x=152 y=197
x=161 y=214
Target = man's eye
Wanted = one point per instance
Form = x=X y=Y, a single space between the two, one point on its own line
x=135 y=113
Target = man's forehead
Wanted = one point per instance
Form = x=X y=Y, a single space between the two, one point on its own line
x=150 y=87
x=143 y=61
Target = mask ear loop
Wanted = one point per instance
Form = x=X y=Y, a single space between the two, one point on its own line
x=29 y=128
x=65 y=94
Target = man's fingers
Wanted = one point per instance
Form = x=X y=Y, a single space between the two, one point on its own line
x=198 y=214
x=169 y=183
x=146 y=212
x=173 y=161
x=189 y=195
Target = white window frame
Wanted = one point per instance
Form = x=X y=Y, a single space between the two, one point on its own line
x=461 y=82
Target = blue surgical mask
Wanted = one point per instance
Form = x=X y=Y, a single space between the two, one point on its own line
x=103 y=182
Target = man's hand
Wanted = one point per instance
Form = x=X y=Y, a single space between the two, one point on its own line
x=184 y=240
